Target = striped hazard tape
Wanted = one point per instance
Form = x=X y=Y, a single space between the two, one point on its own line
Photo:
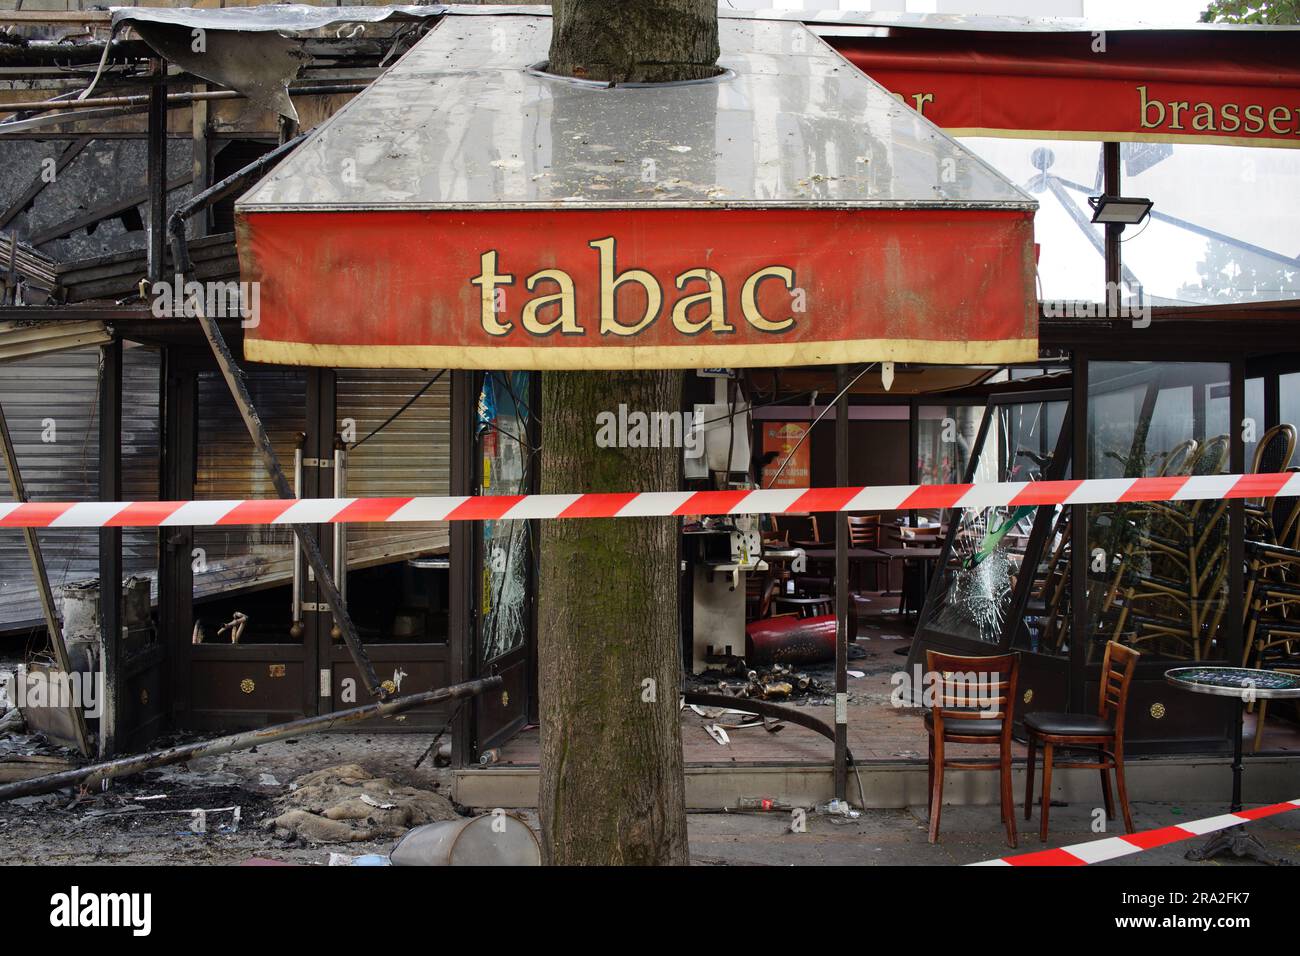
x=152 y=514
x=1099 y=851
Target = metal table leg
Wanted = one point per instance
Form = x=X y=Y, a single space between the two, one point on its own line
x=1236 y=840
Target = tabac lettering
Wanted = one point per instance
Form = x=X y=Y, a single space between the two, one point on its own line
x=699 y=306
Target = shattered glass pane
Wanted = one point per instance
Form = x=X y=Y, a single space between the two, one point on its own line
x=980 y=586
x=503 y=426
x=973 y=600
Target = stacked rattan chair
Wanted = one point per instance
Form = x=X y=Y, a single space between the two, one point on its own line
x=1271 y=629
x=1168 y=594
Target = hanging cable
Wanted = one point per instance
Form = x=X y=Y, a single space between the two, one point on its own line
x=393 y=417
x=808 y=430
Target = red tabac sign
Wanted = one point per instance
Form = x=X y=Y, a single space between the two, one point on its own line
x=648 y=288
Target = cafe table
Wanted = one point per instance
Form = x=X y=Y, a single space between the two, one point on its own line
x=916 y=585
x=1244 y=685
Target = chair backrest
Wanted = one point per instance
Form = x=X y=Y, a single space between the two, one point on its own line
x=1286 y=519
x=777 y=539
x=1275 y=449
x=1179 y=457
x=864 y=531
x=972 y=688
x=771 y=588
x=1116 y=675
x=800 y=527
x=1212 y=457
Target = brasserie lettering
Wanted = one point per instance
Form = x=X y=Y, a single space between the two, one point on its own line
x=699 y=298
x=1155 y=113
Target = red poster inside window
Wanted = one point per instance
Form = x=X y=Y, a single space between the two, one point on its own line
x=792 y=466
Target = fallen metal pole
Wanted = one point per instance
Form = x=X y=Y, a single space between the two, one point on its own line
x=125 y=766
x=763 y=708
x=252 y=421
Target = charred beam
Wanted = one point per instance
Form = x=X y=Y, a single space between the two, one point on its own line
x=234 y=377
x=156 y=176
x=96 y=773
x=102 y=213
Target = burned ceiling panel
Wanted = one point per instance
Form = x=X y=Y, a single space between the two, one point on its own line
x=255 y=50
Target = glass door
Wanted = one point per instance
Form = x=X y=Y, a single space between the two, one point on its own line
x=996 y=584
x=969 y=601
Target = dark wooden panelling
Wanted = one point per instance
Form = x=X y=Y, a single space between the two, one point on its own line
x=420 y=674
x=499 y=713
x=1047 y=683
x=142 y=699
x=1189 y=723
x=218 y=697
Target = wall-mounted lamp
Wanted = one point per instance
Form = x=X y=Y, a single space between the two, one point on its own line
x=1121 y=210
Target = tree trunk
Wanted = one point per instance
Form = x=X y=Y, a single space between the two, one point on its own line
x=609 y=649
x=609 y=655
x=634 y=41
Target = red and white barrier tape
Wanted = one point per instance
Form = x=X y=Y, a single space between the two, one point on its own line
x=1099 y=851
x=153 y=514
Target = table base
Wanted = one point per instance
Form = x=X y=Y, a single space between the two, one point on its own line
x=1240 y=843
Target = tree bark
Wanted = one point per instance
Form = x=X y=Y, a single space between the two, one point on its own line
x=609 y=648
x=609 y=655
x=634 y=41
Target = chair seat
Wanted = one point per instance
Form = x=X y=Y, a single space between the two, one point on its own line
x=1069 y=725
x=960 y=727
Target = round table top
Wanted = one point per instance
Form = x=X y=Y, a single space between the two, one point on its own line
x=782 y=554
x=1235 y=681
x=804 y=598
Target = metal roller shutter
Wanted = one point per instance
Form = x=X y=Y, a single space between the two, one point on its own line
x=410 y=456
x=51 y=402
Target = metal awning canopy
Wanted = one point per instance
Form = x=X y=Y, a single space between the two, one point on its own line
x=470 y=211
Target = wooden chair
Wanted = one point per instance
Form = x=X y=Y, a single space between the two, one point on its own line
x=761 y=592
x=1276 y=646
x=865 y=532
x=1104 y=730
x=1270 y=545
x=974 y=701
x=801 y=529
